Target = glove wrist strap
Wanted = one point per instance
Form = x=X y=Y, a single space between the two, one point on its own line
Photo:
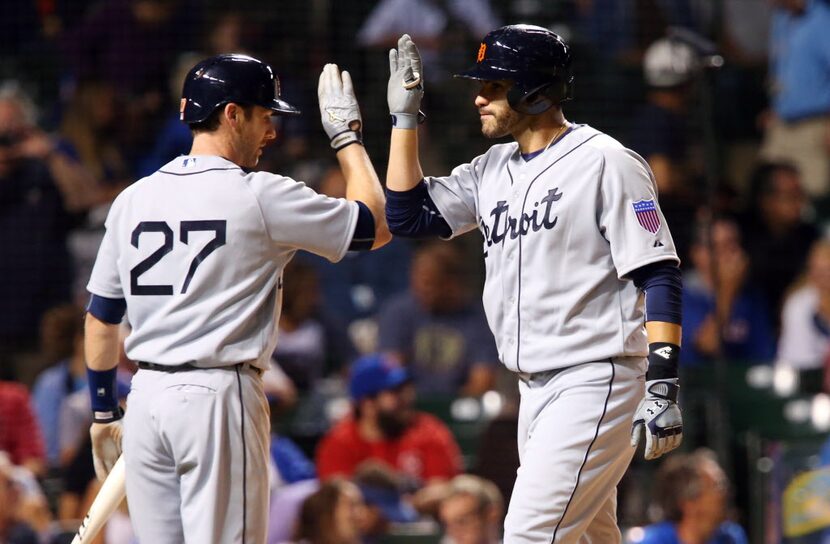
x=664 y=389
x=347 y=137
x=407 y=121
x=107 y=416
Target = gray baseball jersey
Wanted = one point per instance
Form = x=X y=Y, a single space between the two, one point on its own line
x=561 y=232
x=198 y=250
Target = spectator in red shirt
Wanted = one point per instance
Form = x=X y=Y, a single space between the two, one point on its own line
x=19 y=432
x=385 y=427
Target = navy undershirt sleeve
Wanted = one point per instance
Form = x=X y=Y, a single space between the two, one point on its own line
x=108 y=310
x=413 y=214
x=364 y=230
x=663 y=286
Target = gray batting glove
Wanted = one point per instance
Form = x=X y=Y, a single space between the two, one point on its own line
x=658 y=415
x=106 y=446
x=339 y=110
x=406 y=84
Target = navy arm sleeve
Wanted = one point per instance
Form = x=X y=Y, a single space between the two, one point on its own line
x=413 y=214
x=663 y=286
x=108 y=310
x=364 y=230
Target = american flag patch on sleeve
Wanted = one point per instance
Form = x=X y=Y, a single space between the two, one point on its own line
x=646 y=212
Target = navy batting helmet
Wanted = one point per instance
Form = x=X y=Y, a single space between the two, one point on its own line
x=535 y=59
x=234 y=78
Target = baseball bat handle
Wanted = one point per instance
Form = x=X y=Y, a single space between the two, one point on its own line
x=112 y=492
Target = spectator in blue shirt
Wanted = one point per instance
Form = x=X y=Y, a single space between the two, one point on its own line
x=800 y=93
x=62 y=340
x=691 y=491
x=723 y=315
x=437 y=329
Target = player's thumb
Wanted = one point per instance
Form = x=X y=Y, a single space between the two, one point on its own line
x=636 y=430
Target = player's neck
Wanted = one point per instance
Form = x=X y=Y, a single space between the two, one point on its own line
x=541 y=131
x=216 y=144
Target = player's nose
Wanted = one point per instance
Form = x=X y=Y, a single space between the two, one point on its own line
x=481 y=101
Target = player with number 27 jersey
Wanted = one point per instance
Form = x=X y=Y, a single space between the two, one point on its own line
x=174 y=227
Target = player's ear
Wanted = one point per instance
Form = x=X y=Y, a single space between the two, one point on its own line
x=233 y=114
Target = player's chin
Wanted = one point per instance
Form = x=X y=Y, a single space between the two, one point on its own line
x=490 y=131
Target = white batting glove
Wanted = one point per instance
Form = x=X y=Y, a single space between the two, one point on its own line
x=339 y=110
x=106 y=446
x=658 y=415
x=406 y=84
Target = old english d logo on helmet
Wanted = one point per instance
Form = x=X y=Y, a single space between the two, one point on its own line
x=533 y=58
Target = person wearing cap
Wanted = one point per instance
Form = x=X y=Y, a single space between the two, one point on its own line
x=658 y=132
x=385 y=427
x=383 y=492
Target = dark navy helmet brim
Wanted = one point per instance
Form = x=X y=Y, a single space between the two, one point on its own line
x=281 y=106
x=484 y=72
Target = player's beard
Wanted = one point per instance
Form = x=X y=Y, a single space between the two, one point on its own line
x=501 y=124
x=392 y=424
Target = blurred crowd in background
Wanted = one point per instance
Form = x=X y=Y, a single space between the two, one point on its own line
x=392 y=415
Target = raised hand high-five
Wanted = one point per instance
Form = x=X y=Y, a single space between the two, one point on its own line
x=339 y=110
x=406 y=84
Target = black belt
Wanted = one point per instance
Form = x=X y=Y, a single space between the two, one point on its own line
x=186 y=367
x=167 y=368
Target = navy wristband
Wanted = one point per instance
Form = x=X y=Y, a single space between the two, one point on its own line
x=103 y=394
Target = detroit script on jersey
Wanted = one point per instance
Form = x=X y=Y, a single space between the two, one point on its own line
x=560 y=234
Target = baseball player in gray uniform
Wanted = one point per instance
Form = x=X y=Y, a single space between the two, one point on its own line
x=194 y=254
x=582 y=289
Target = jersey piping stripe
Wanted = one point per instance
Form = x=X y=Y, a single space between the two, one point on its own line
x=244 y=456
x=199 y=172
x=588 y=451
x=519 y=283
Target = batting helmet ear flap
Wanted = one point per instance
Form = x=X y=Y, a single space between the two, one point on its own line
x=531 y=103
x=534 y=101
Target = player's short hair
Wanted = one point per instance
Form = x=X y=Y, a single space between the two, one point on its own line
x=211 y=123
